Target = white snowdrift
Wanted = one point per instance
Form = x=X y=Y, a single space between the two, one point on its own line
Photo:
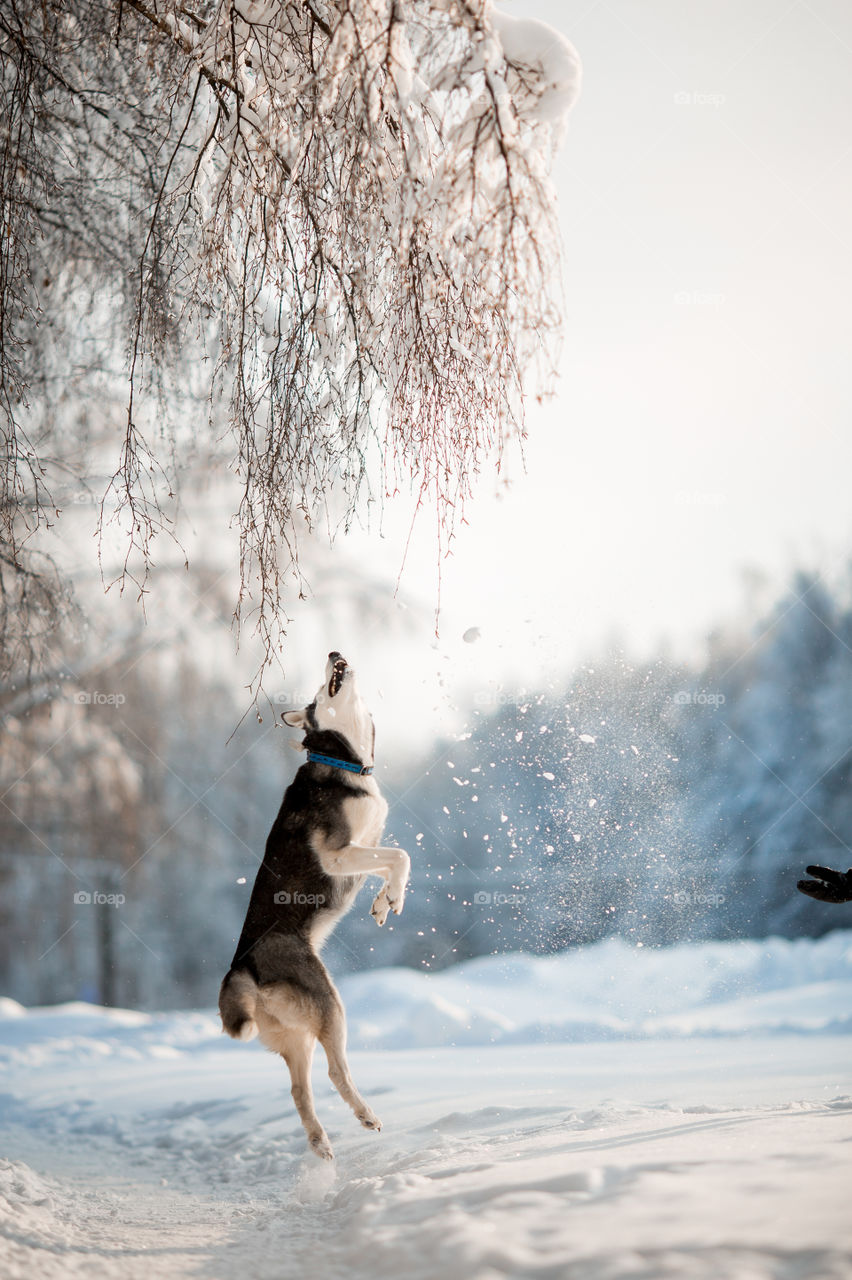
x=135 y=1142
x=544 y=72
x=611 y=990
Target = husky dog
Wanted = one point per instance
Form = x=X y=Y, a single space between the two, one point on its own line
x=322 y=847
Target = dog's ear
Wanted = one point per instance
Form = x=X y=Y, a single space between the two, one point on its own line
x=295 y=719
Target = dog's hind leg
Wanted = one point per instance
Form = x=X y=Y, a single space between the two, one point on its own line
x=297 y=1050
x=333 y=1040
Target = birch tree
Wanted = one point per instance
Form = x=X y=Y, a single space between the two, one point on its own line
x=331 y=220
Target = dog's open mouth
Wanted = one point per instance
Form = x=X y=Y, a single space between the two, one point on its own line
x=338 y=673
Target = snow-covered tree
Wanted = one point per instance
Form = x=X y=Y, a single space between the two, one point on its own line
x=331 y=216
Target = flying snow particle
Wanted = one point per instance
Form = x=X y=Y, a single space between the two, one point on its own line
x=587 y=737
x=241 y=880
x=471 y=635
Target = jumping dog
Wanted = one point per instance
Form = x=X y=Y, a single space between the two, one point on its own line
x=323 y=845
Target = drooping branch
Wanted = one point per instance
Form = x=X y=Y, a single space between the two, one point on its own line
x=346 y=202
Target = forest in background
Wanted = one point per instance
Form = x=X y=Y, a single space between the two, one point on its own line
x=658 y=801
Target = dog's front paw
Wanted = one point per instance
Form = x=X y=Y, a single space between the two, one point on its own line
x=396 y=898
x=398 y=883
x=381 y=906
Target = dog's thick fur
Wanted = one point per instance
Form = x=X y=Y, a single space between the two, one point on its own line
x=322 y=846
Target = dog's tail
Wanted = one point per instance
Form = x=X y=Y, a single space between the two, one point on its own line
x=237 y=1003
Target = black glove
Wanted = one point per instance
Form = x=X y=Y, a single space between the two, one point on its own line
x=829 y=886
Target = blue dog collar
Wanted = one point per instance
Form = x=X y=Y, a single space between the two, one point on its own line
x=314 y=757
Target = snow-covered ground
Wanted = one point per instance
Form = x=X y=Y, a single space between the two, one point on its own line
x=610 y=1112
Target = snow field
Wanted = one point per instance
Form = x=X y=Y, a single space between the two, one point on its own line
x=139 y=1143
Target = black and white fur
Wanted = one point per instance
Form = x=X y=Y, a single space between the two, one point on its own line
x=322 y=846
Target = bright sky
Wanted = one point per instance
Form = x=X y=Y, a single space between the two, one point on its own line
x=701 y=422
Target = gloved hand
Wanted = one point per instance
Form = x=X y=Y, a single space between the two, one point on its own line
x=828 y=886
